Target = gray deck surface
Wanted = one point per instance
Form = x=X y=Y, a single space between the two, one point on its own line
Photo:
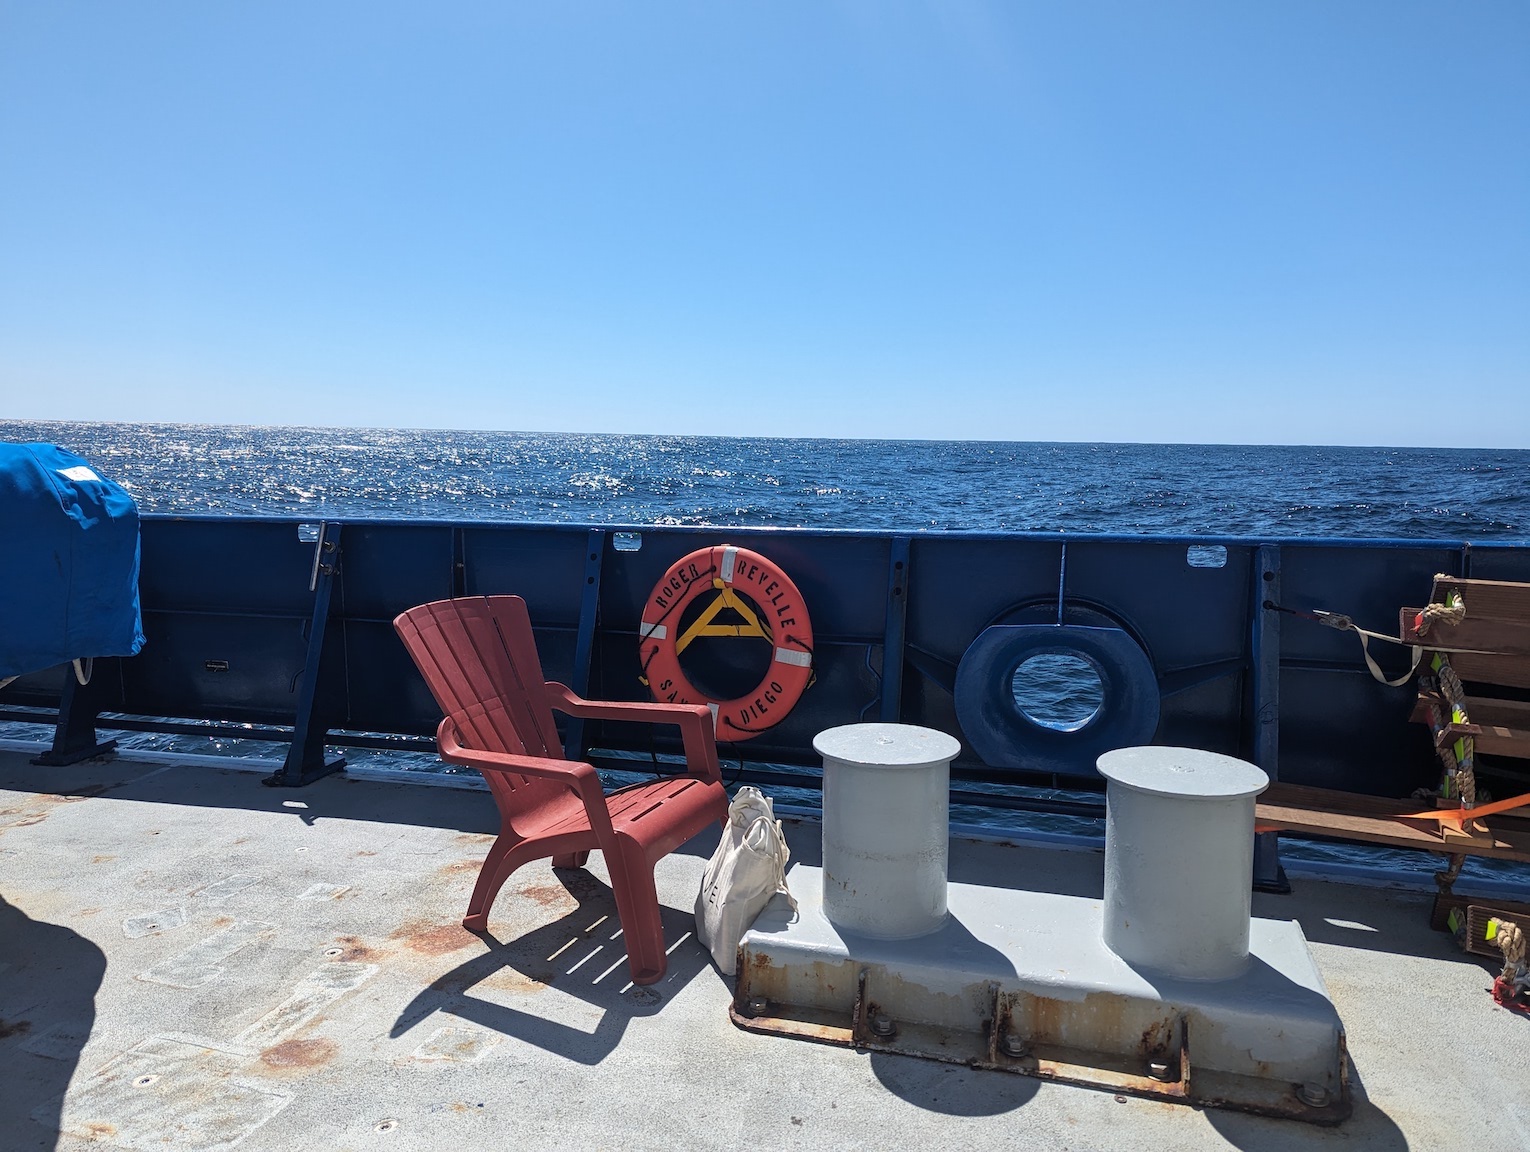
x=189 y=959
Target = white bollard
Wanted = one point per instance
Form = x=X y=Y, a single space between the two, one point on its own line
x=886 y=827
x=1179 y=859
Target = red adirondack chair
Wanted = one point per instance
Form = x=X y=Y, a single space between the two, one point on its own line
x=479 y=658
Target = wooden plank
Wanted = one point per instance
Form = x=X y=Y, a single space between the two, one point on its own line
x=1497 y=622
x=1504 y=600
x=1492 y=736
x=1484 y=632
x=1514 y=670
x=1505 y=658
x=1374 y=820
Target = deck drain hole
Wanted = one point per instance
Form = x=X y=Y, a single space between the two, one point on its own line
x=387 y=1126
x=144 y=1081
x=334 y=951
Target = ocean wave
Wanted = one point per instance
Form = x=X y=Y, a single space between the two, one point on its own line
x=876 y=486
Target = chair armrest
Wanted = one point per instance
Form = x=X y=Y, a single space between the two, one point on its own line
x=579 y=776
x=694 y=720
x=453 y=751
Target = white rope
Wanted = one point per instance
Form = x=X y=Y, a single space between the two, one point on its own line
x=1344 y=624
x=1511 y=942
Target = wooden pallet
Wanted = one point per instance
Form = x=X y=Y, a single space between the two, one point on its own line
x=1447 y=902
x=1495 y=636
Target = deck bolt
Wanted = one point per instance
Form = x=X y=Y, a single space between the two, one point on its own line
x=333 y=951
x=1313 y=1095
x=882 y=1025
x=1159 y=1070
x=1012 y=1044
x=387 y=1126
x=145 y=1081
x=758 y=1006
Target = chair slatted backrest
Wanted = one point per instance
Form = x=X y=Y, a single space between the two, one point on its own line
x=479 y=658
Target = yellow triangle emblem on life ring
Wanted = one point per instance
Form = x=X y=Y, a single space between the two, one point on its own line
x=704 y=626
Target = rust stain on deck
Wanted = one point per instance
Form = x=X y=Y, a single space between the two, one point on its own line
x=37 y=807
x=551 y=896
x=297 y=1055
x=476 y=838
x=366 y=852
x=101 y=859
x=434 y=939
x=352 y=948
x=460 y=866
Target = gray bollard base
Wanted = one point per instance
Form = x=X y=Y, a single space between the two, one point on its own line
x=1023 y=982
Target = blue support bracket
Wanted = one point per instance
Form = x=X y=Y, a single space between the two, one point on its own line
x=74 y=732
x=895 y=631
x=1269 y=876
x=305 y=761
x=459 y=562
x=584 y=643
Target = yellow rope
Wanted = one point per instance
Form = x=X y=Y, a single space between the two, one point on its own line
x=1464 y=752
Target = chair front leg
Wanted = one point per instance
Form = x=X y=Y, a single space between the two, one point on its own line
x=496 y=869
x=637 y=904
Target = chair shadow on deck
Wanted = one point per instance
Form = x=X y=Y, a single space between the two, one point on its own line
x=49 y=976
x=582 y=955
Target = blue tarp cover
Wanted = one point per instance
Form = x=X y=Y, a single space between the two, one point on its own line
x=68 y=561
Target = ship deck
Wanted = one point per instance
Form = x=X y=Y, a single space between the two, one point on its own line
x=191 y=960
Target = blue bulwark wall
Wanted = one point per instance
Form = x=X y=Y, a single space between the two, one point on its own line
x=229 y=610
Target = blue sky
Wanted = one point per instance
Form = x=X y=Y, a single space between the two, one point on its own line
x=1303 y=222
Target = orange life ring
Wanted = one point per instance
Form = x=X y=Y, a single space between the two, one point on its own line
x=782 y=619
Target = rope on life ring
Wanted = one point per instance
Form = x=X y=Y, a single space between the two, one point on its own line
x=782 y=620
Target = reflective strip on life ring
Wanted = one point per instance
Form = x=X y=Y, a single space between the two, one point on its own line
x=782 y=619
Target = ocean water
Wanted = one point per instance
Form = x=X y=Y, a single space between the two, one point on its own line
x=1217 y=490
x=864 y=484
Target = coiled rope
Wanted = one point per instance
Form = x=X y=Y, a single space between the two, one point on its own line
x=1511 y=942
x=1450 y=613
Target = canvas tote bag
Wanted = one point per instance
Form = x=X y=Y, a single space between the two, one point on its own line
x=748 y=868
